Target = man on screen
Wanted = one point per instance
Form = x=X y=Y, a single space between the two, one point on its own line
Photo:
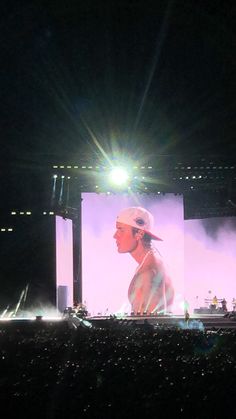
x=150 y=290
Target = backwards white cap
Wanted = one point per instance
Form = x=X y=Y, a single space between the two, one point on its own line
x=140 y=218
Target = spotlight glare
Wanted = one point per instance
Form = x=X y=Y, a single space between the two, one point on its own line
x=119 y=176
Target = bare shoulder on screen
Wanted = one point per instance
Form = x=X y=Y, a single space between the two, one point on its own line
x=153 y=264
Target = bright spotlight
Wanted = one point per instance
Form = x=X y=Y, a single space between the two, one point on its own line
x=119 y=176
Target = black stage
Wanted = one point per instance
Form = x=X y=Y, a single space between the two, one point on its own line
x=196 y=321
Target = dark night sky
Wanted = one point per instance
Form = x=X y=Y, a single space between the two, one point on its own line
x=149 y=76
x=146 y=77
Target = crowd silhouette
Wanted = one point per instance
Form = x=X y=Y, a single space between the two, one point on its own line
x=118 y=371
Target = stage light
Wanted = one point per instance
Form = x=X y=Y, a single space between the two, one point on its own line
x=119 y=176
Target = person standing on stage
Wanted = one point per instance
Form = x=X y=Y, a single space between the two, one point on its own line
x=215 y=302
x=150 y=290
x=234 y=304
x=224 y=304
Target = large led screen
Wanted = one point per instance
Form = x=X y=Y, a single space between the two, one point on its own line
x=64 y=263
x=210 y=261
x=199 y=255
x=106 y=273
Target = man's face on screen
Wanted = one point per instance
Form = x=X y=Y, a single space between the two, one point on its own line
x=125 y=238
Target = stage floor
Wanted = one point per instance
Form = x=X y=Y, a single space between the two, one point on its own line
x=206 y=321
x=196 y=321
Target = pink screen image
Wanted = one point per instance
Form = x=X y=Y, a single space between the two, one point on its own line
x=199 y=255
x=64 y=262
x=106 y=273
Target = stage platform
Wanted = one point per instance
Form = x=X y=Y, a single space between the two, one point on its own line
x=196 y=321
